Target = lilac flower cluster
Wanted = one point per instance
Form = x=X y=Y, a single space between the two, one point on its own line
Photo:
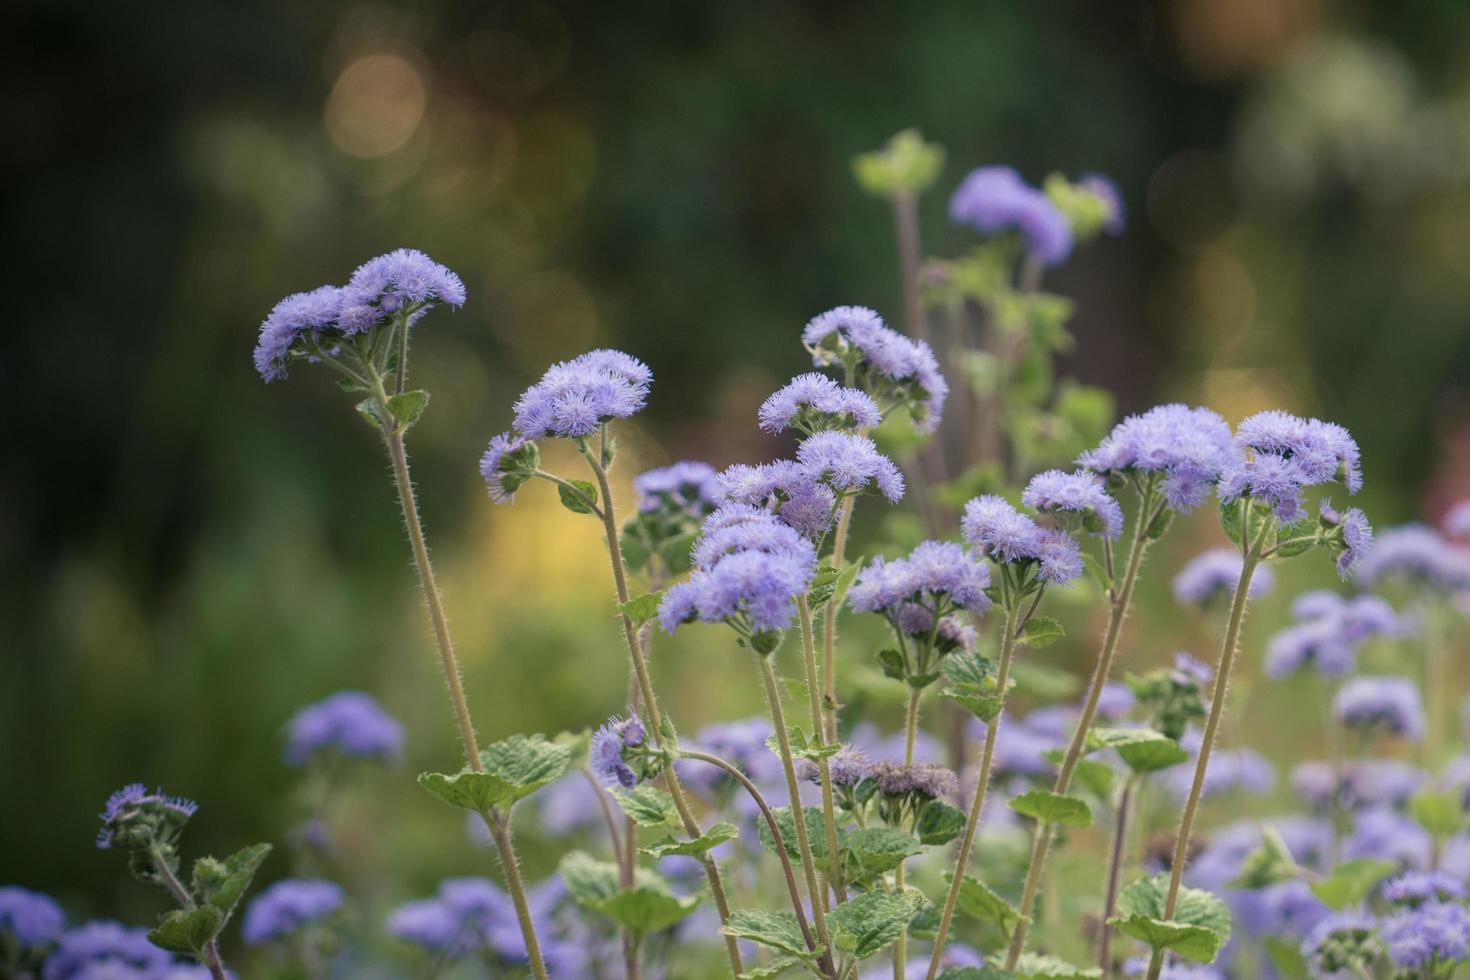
x=351 y=723
x=509 y=461
x=467 y=915
x=1209 y=579
x=1433 y=934
x=303 y=324
x=1356 y=784
x=1418 y=555
x=1383 y=703
x=1081 y=498
x=1328 y=634
x=1340 y=942
x=1241 y=770
x=916 y=779
x=684 y=488
x=814 y=402
x=573 y=398
x=106 y=949
x=31 y=920
x=1007 y=536
x=136 y=818
x=610 y=743
x=1187 y=448
x=996 y=199
x=742 y=743
x=890 y=366
x=1288 y=454
x=936 y=577
x=1414 y=888
x=749 y=569
x=287 y=907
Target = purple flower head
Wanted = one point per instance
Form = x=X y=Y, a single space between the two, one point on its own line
x=1059 y=556
x=1417 y=887
x=956 y=634
x=405 y=276
x=287 y=907
x=467 y=915
x=814 y=402
x=848 y=767
x=1106 y=191
x=996 y=199
x=732 y=530
x=914 y=779
x=1419 y=555
x=609 y=743
x=1319 y=644
x=1322 y=452
x=1081 y=495
x=1435 y=934
x=1188 y=447
x=1363 y=783
x=889 y=365
x=1342 y=941
x=31 y=919
x=92 y=945
x=1001 y=532
x=349 y=722
x=1210 y=578
x=685 y=488
x=1115 y=702
x=850 y=463
x=1456 y=521
x=134 y=817
x=935 y=574
x=1191 y=670
x=793 y=491
x=574 y=397
x=507 y=464
x=293 y=317
x=1381 y=703
x=1231 y=770
x=1274 y=480
x=1352 y=536
x=1387 y=834
x=740 y=742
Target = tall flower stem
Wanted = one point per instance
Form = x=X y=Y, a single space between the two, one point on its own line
x=1122 y=598
x=910 y=730
x=829 y=626
x=165 y=872
x=1252 y=558
x=650 y=702
x=793 y=790
x=824 y=768
x=972 y=824
x=499 y=825
x=1115 y=875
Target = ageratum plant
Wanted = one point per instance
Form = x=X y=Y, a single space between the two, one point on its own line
x=949 y=535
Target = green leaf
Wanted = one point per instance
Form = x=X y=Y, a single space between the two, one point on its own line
x=1049 y=807
x=1098 y=571
x=645 y=908
x=801 y=748
x=1437 y=812
x=979 y=902
x=1269 y=864
x=1230 y=520
x=634 y=548
x=939 y=823
x=571 y=501
x=774 y=968
x=816 y=832
x=368 y=409
x=869 y=923
x=892 y=663
x=588 y=880
x=1287 y=958
x=187 y=930
x=778 y=930
x=1350 y=882
x=1095 y=777
x=514 y=768
x=641 y=609
x=873 y=851
x=222 y=883
x=1143 y=749
x=675 y=551
x=972 y=684
x=1160 y=524
x=647 y=806
x=1034 y=966
x=905 y=165
x=1041 y=631
x=407 y=407
x=1199 y=927
x=705 y=842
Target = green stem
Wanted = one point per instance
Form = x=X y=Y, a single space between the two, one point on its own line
x=1115 y=875
x=829 y=626
x=793 y=790
x=650 y=703
x=910 y=730
x=509 y=864
x=972 y=824
x=1252 y=558
x=824 y=768
x=1044 y=832
x=209 y=956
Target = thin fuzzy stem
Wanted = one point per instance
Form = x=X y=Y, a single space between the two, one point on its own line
x=760 y=801
x=972 y=824
x=824 y=768
x=1044 y=832
x=793 y=790
x=650 y=703
x=612 y=826
x=829 y=626
x=509 y=864
x=1115 y=874
x=1212 y=726
x=210 y=955
x=910 y=730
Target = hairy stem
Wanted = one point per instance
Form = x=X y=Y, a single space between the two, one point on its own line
x=1044 y=832
x=210 y=954
x=510 y=865
x=829 y=627
x=824 y=768
x=910 y=730
x=650 y=703
x=972 y=824
x=1115 y=874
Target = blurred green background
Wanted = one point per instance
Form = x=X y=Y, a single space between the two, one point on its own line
x=191 y=555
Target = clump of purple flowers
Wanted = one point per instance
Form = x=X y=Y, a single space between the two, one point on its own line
x=289 y=906
x=1414 y=888
x=684 y=488
x=814 y=402
x=610 y=750
x=1079 y=499
x=350 y=723
x=995 y=199
x=1286 y=455
x=1418 y=555
x=1209 y=579
x=1329 y=633
x=916 y=591
x=1008 y=537
x=32 y=921
x=575 y=397
x=1383 y=703
x=1187 y=449
x=103 y=950
x=890 y=367
x=1434 y=934
x=135 y=819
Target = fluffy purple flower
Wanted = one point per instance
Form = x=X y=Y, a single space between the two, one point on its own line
x=1361 y=783
x=740 y=742
x=735 y=529
x=850 y=463
x=1210 y=578
x=688 y=487
x=1000 y=531
x=1103 y=188
x=892 y=367
x=608 y=745
x=848 y=767
x=813 y=402
x=503 y=467
x=1433 y=934
x=1418 y=554
x=914 y=779
x=1321 y=452
x=134 y=805
x=1319 y=644
x=1081 y=495
x=747 y=564
x=1115 y=702
x=1381 y=703
x=1341 y=938
x=467 y=915
x=1416 y=887
x=1388 y=835
x=1059 y=557
x=287 y=907
x=1191 y=670
x=1456 y=521
x=405 y=276
x=300 y=313
x=1231 y=770
x=93 y=944
x=1274 y=480
x=349 y=722
x=574 y=397
x=934 y=574
x=1189 y=447
x=996 y=199
x=31 y=919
